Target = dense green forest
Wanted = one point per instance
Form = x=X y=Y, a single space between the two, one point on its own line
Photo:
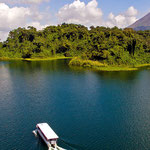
x=111 y=46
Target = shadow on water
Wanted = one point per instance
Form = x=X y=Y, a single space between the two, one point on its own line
x=31 y=66
x=119 y=75
x=62 y=66
x=122 y=75
x=112 y=75
x=39 y=144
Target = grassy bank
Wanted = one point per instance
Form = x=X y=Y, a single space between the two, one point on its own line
x=103 y=67
x=7 y=58
x=142 y=65
x=78 y=62
x=48 y=58
x=36 y=58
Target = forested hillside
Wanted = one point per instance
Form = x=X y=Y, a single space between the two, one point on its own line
x=107 y=45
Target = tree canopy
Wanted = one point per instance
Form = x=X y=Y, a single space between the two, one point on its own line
x=109 y=45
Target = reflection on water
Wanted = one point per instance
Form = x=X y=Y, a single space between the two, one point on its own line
x=122 y=75
x=28 y=66
x=87 y=109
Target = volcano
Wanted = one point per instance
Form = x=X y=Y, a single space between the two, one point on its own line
x=142 y=24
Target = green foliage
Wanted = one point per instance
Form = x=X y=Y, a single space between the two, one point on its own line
x=107 y=45
x=85 y=63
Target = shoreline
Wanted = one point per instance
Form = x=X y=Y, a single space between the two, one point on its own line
x=85 y=64
x=46 y=59
x=35 y=59
x=96 y=65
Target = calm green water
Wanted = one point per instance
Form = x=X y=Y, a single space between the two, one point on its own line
x=88 y=110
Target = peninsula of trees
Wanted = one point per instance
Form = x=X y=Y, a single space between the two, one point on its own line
x=88 y=46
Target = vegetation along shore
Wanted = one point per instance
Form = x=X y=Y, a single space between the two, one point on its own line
x=97 y=47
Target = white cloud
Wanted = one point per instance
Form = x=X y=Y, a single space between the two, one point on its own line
x=11 y=18
x=37 y=25
x=3 y=35
x=122 y=20
x=131 y=12
x=80 y=13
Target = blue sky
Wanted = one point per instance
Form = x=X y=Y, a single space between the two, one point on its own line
x=107 y=6
x=41 y=13
x=115 y=6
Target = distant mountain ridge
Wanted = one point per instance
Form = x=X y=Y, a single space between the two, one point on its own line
x=142 y=24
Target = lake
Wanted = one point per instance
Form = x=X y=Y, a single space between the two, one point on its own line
x=89 y=110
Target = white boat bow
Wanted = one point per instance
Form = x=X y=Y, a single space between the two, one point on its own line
x=48 y=136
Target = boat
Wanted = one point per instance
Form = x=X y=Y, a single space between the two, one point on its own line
x=48 y=136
